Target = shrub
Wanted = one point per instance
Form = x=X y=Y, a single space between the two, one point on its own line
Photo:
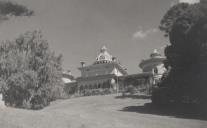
x=131 y=89
x=100 y=91
x=30 y=73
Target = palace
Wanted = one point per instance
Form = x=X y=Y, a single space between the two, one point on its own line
x=102 y=74
x=106 y=74
x=154 y=65
x=152 y=71
x=67 y=77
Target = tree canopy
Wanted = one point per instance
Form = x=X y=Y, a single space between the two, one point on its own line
x=186 y=27
x=171 y=16
x=187 y=34
x=30 y=72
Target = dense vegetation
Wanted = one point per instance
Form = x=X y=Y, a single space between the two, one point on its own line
x=186 y=27
x=30 y=73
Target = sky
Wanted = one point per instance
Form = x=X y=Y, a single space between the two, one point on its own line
x=79 y=28
x=190 y=1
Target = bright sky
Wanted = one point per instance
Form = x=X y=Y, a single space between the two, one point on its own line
x=79 y=28
x=190 y=1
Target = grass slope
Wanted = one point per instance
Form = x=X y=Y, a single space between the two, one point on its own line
x=93 y=112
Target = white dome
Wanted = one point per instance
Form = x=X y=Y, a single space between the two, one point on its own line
x=103 y=56
x=155 y=54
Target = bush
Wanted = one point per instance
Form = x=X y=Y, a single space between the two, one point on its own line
x=108 y=91
x=30 y=73
x=93 y=92
x=38 y=102
x=131 y=89
x=186 y=55
x=19 y=87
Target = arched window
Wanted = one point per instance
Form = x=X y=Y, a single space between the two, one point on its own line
x=99 y=85
x=106 y=84
x=81 y=87
x=90 y=86
x=155 y=70
x=102 y=57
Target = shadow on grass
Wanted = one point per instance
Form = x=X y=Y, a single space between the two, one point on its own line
x=138 y=96
x=184 y=111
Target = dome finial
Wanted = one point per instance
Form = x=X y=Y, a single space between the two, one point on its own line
x=103 y=49
x=155 y=53
x=104 y=56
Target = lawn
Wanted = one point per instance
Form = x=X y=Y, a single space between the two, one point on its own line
x=109 y=111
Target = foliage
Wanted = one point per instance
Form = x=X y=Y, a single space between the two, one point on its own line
x=101 y=91
x=30 y=72
x=8 y=8
x=188 y=38
x=187 y=52
x=171 y=16
x=131 y=89
x=70 y=89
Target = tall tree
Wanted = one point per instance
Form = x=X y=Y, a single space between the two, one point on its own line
x=30 y=72
x=186 y=27
x=171 y=16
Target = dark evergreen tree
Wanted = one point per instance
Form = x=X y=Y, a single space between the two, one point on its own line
x=186 y=27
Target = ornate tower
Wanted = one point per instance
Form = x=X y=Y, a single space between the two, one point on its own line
x=154 y=65
x=104 y=56
x=102 y=74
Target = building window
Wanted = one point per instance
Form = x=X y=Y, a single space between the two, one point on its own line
x=155 y=70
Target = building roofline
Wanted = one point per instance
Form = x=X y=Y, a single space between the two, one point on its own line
x=95 y=77
x=139 y=75
x=120 y=67
x=144 y=62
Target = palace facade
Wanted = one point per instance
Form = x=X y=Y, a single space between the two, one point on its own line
x=154 y=65
x=67 y=77
x=152 y=71
x=102 y=74
x=106 y=73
